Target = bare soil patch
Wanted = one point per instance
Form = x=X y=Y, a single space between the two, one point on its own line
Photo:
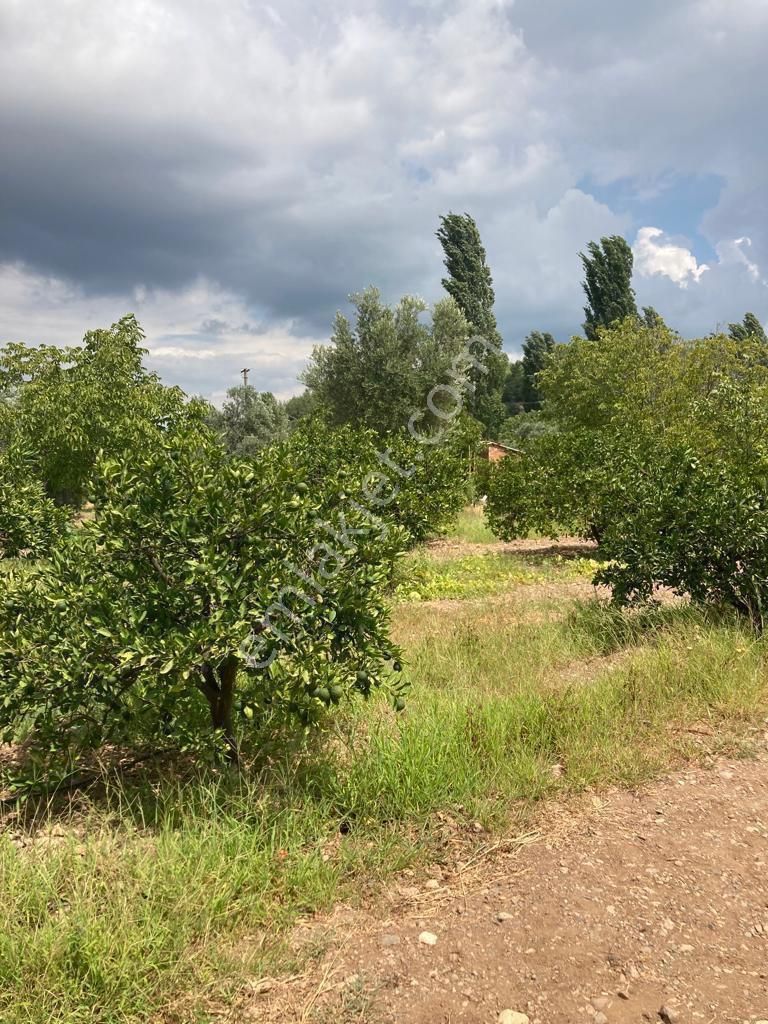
x=565 y=547
x=617 y=906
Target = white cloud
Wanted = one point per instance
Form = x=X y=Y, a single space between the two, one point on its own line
x=655 y=255
x=732 y=286
x=173 y=352
x=198 y=337
x=733 y=252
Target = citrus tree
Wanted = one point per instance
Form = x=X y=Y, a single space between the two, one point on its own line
x=556 y=486
x=31 y=524
x=64 y=406
x=592 y=390
x=690 y=498
x=661 y=455
x=419 y=487
x=208 y=591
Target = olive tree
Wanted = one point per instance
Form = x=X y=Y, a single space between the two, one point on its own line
x=379 y=370
x=250 y=420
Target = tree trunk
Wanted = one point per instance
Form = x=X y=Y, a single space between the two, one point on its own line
x=595 y=532
x=220 y=693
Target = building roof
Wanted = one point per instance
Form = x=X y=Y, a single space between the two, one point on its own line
x=504 y=447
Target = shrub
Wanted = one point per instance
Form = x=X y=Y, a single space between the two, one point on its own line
x=30 y=523
x=207 y=587
x=697 y=526
x=418 y=487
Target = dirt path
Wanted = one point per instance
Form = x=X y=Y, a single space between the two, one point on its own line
x=566 y=547
x=617 y=908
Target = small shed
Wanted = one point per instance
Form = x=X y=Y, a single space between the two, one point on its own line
x=495 y=451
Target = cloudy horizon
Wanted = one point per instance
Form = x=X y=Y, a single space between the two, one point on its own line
x=232 y=173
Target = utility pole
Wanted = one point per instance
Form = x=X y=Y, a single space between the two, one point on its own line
x=245 y=373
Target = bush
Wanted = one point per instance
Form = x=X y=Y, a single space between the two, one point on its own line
x=420 y=488
x=30 y=523
x=206 y=588
x=661 y=456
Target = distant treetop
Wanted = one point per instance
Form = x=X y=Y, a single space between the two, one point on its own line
x=607 y=284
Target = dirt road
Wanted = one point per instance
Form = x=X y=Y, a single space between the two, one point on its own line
x=645 y=906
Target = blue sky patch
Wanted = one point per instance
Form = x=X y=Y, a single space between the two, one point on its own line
x=675 y=203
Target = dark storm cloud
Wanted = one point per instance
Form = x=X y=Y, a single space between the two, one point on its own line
x=113 y=210
x=109 y=208
x=233 y=173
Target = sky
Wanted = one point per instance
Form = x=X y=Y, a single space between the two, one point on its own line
x=231 y=172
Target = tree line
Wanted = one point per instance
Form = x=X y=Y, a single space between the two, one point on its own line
x=380 y=364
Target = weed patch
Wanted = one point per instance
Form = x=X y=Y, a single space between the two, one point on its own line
x=484 y=575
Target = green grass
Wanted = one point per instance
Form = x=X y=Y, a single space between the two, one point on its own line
x=487 y=574
x=505 y=648
x=161 y=898
x=595 y=691
x=470 y=527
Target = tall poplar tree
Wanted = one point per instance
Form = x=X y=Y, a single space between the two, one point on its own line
x=469 y=282
x=750 y=327
x=536 y=348
x=607 y=283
